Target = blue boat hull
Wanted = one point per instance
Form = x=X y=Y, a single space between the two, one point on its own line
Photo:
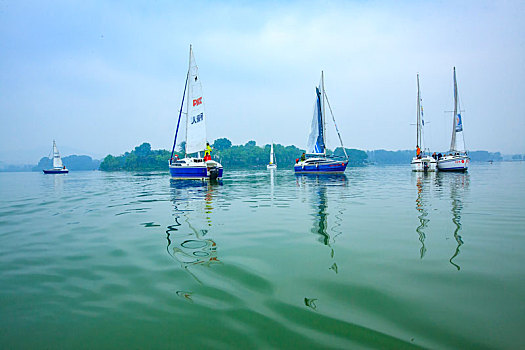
x=53 y=171
x=191 y=173
x=330 y=168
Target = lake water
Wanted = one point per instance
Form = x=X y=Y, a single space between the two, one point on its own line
x=379 y=258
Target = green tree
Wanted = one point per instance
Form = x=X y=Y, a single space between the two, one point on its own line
x=143 y=150
x=222 y=144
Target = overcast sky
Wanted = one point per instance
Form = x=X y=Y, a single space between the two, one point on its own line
x=102 y=77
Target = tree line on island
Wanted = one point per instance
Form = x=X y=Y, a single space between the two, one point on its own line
x=248 y=155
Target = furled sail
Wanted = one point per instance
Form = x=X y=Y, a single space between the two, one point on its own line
x=57 y=161
x=271 y=154
x=316 y=142
x=195 y=124
x=457 y=126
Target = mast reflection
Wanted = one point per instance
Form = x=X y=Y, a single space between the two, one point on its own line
x=320 y=184
x=189 y=243
x=422 y=181
x=458 y=184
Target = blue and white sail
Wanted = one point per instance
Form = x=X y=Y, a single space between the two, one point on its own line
x=195 y=122
x=457 y=158
x=316 y=141
x=457 y=142
x=316 y=161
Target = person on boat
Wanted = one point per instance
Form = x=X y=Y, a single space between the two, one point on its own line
x=418 y=152
x=207 y=152
x=434 y=155
x=303 y=157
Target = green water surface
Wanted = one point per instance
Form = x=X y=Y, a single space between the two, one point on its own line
x=378 y=258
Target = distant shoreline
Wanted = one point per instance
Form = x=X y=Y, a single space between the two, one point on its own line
x=237 y=157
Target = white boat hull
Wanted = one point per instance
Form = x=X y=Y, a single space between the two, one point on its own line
x=271 y=166
x=453 y=163
x=424 y=164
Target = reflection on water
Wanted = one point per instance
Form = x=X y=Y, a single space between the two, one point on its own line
x=421 y=206
x=189 y=243
x=320 y=184
x=327 y=234
x=459 y=184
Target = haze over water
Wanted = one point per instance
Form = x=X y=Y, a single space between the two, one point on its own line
x=379 y=258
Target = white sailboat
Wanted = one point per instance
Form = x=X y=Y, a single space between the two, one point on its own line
x=456 y=159
x=58 y=167
x=272 y=164
x=422 y=161
x=316 y=161
x=193 y=167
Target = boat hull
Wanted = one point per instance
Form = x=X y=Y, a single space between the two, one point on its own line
x=453 y=163
x=55 y=171
x=324 y=167
x=425 y=164
x=195 y=169
x=271 y=166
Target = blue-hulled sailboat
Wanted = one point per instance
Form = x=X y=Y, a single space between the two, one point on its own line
x=58 y=167
x=192 y=166
x=316 y=160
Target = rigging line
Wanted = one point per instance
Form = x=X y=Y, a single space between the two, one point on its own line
x=336 y=129
x=180 y=112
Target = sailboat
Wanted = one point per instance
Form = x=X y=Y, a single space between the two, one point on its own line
x=316 y=161
x=421 y=162
x=272 y=164
x=58 y=167
x=193 y=167
x=456 y=159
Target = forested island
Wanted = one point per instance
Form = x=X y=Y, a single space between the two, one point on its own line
x=248 y=155
x=72 y=162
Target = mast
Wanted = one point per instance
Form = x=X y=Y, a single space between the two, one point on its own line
x=323 y=112
x=418 y=123
x=187 y=108
x=453 y=140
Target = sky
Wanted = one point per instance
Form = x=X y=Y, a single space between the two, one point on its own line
x=101 y=77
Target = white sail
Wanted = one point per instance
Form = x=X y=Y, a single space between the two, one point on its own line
x=57 y=161
x=195 y=122
x=271 y=154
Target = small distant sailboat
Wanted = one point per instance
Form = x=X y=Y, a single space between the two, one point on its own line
x=421 y=162
x=193 y=168
x=316 y=161
x=457 y=158
x=272 y=164
x=58 y=167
